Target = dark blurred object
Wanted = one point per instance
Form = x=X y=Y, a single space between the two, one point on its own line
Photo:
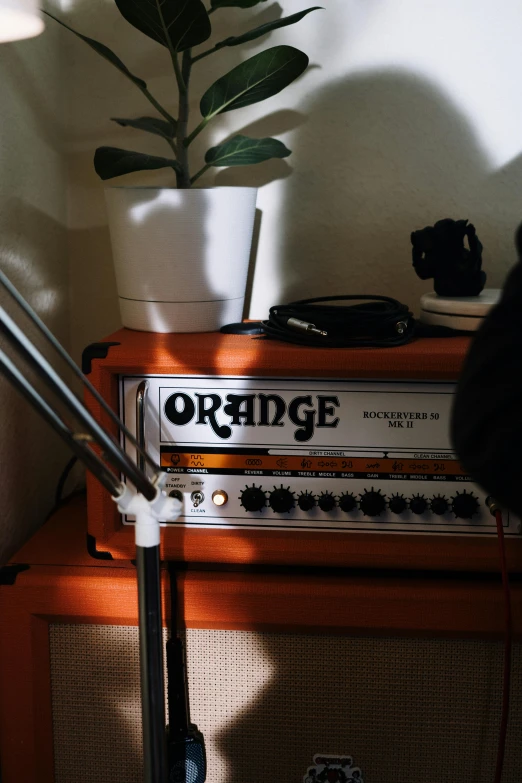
x=486 y=428
x=186 y=745
x=439 y=252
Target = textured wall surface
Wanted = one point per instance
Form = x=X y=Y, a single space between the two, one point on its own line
x=405 y=117
x=33 y=254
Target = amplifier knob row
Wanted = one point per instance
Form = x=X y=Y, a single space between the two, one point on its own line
x=371 y=502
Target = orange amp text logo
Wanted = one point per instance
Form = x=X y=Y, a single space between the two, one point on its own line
x=305 y=412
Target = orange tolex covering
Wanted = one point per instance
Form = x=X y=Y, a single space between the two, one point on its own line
x=145 y=353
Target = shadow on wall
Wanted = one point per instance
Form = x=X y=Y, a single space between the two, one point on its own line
x=375 y=156
x=32 y=456
x=380 y=155
x=274 y=124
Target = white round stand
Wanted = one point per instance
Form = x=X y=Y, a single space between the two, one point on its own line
x=464 y=313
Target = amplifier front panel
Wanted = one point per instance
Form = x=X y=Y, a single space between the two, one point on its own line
x=309 y=454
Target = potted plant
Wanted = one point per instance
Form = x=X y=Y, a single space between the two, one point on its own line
x=181 y=254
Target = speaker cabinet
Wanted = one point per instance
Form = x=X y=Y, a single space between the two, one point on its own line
x=401 y=672
x=405 y=709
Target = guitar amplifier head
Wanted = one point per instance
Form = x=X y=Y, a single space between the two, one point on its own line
x=296 y=456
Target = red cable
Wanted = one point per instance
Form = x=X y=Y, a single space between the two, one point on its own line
x=508 y=634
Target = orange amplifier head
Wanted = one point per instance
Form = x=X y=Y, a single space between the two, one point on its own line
x=289 y=455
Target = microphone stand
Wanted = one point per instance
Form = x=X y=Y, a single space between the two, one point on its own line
x=141 y=496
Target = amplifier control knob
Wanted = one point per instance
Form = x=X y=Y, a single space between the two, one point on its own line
x=372 y=503
x=398 y=504
x=326 y=501
x=281 y=500
x=347 y=503
x=464 y=505
x=418 y=504
x=253 y=498
x=439 y=505
x=306 y=501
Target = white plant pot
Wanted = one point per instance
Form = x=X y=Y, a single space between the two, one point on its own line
x=181 y=256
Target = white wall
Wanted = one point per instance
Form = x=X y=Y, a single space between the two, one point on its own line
x=33 y=254
x=410 y=113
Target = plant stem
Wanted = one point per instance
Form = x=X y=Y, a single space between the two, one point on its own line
x=186 y=66
x=182 y=86
x=173 y=53
x=183 y=178
x=197 y=131
x=206 y=167
x=215 y=48
x=157 y=106
x=172 y=145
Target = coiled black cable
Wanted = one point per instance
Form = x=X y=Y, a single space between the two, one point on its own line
x=377 y=321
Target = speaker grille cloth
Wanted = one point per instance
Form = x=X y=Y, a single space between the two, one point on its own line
x=407 y=710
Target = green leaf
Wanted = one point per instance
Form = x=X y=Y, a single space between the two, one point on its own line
x=256 y=79
x=176 y=24
x=150 y=124
x=235 y=3
x=263 y=29
x=104 y=51
x=244 y=151
x=111 y=162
